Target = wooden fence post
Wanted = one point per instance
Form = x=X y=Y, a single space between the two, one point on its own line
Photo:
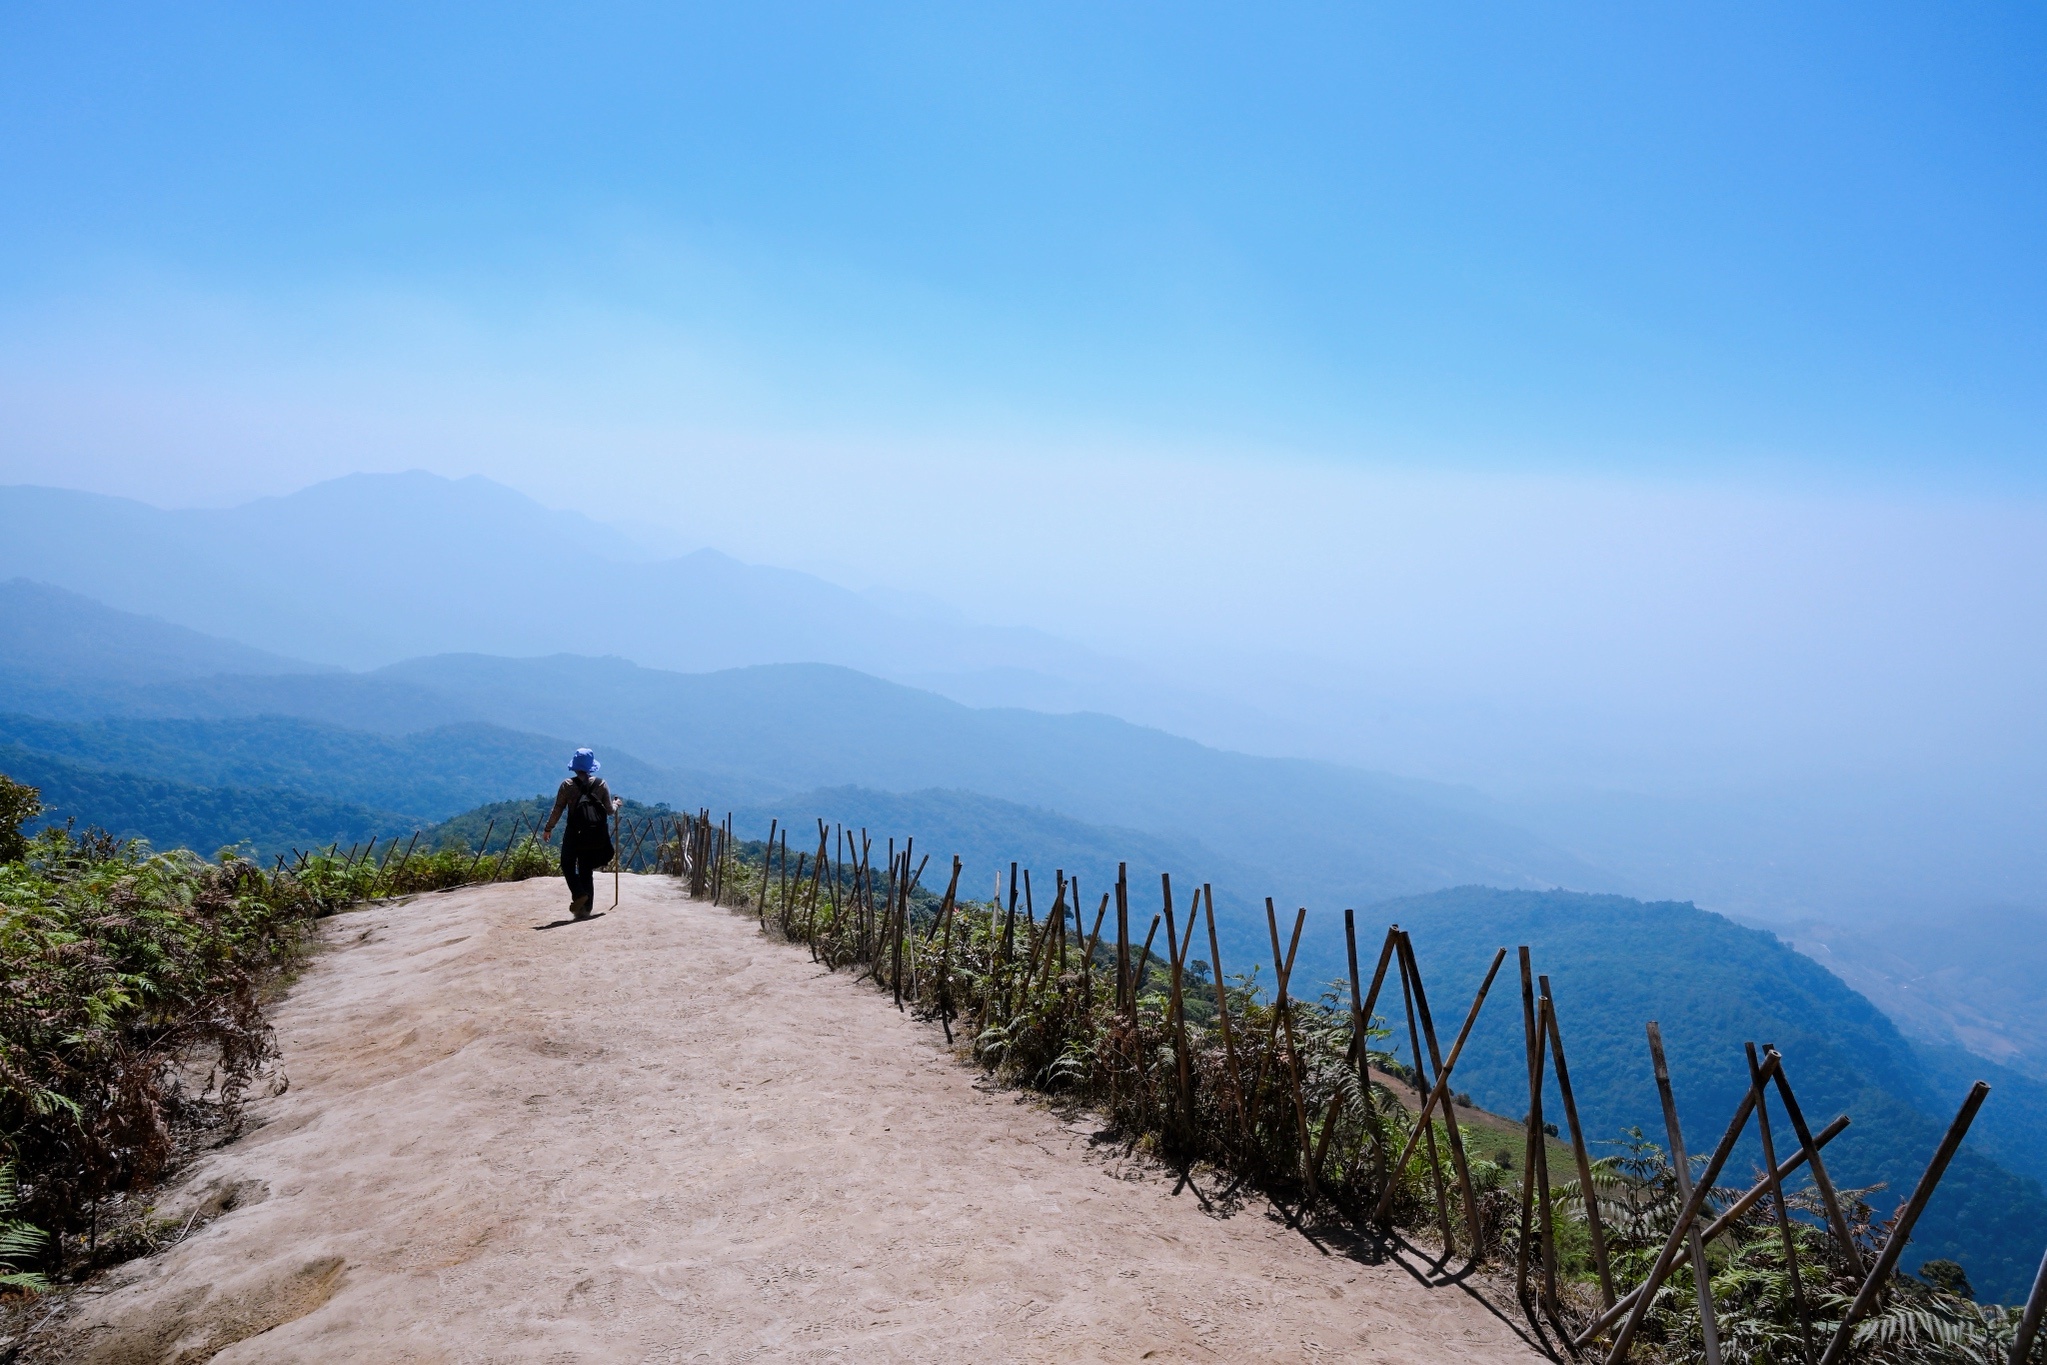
x=1123 y=992
x=1437 y=1067
x=2029 y=1321
x=1755 y=1072
x=1681 y=1167
x=1422 y=1123
x=1836 y=1221
x=1176 y=951
x=767 y=854
x=1901 y=1231
x=1286 y=1020
x=1687 y=1223
x=1222 y=1006
x=1578 y=1153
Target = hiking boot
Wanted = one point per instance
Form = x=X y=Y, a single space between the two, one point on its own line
x=580 y=906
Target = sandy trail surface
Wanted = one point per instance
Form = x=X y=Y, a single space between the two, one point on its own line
x=659 y=1136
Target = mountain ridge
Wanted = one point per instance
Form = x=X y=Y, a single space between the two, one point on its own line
x=749 y=733
x=290 y=573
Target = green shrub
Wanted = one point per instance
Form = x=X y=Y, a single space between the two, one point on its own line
x=116 y=963
x=122 y=969
x=19 y=804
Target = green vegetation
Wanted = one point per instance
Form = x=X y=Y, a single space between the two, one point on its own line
x=132 y=1005
x=124 y=960
x=757 y=734
x=19 y=804
x=115 y=964
x=123 y=966
x=170 y=814
x=21 y=1243
x=1932 y=1320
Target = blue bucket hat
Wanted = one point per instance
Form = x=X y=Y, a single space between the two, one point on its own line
x=585 y=761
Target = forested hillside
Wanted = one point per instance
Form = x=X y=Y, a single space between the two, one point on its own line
x=427 y=775
x=2010 y=1130
x=263 y=821
x=1713 y=985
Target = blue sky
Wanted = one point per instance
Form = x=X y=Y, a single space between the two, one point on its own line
x=1657 y=384
x=1777 y=240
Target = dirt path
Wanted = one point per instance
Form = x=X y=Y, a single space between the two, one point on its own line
x=657 y=1136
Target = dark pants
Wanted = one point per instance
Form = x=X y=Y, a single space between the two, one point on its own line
x=581 y=857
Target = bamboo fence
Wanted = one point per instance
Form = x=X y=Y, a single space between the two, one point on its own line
x=1294 y=1096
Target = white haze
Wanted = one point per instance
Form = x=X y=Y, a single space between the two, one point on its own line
x=1692 y=678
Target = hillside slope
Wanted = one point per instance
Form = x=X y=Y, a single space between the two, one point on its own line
x=1980 y=983
x=333 y=753
x=1713 y=985
x=182 y=815
x=429 y=775
x=61 y=636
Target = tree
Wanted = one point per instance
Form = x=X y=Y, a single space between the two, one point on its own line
x=1948 y=1277
x=19 y=804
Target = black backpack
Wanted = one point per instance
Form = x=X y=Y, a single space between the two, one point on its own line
x=587 y=811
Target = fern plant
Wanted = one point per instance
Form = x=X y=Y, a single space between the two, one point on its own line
x=22 y=1244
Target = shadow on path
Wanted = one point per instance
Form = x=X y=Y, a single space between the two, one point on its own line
x=561 y=922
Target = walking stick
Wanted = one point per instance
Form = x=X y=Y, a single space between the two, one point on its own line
x=616 y=830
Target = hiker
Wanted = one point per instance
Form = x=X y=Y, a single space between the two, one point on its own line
x=586 y=842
